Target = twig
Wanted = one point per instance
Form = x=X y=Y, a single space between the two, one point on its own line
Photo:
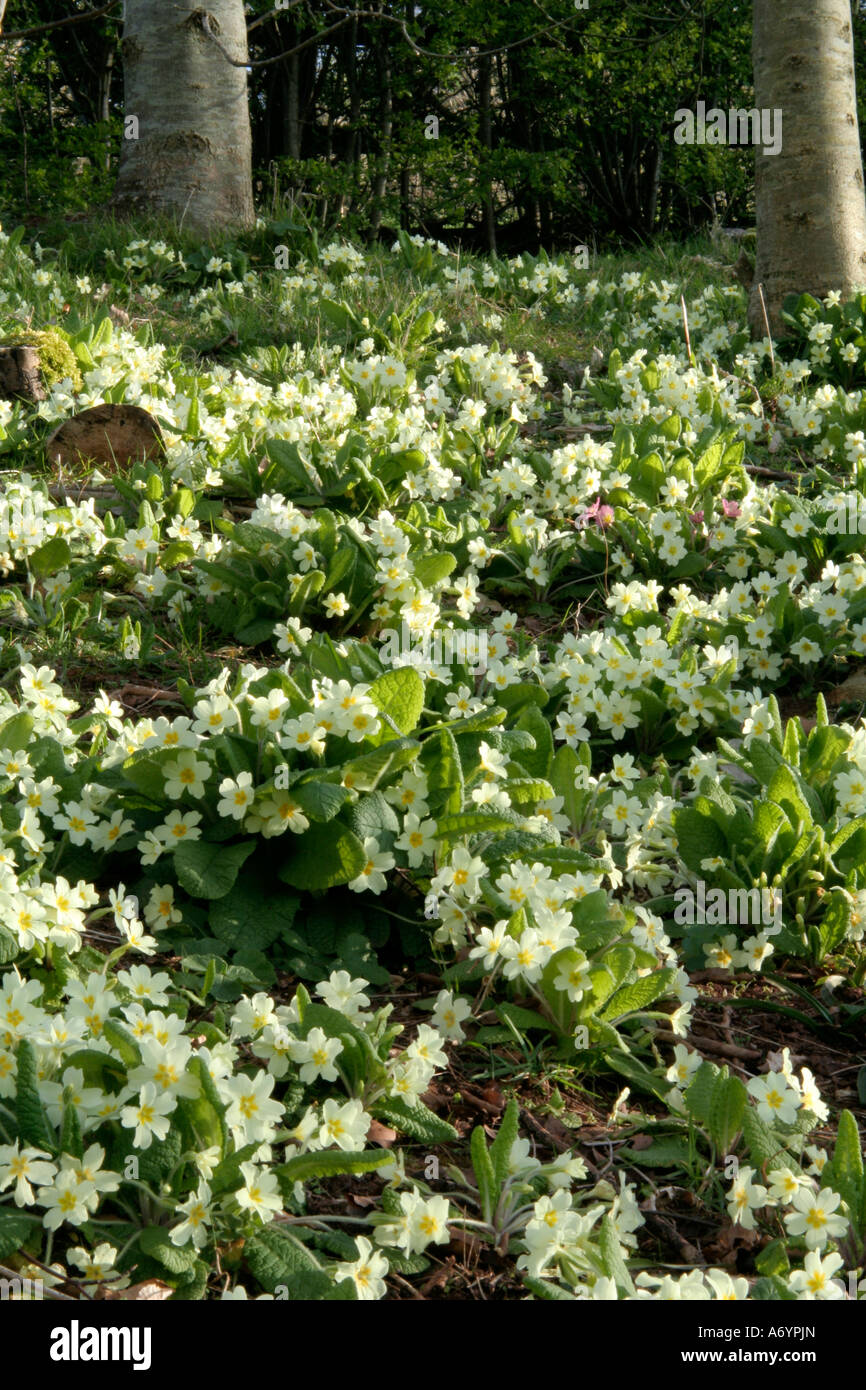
x=758 y=472
x=37 y=29
x=767 y=326
x=745 y=1054
x=43 y=1293
x=205 y=26
x=686 y=328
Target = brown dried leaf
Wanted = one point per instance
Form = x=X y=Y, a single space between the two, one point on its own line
x=380 y=1134
x=642 y=1141
x=149 y=1291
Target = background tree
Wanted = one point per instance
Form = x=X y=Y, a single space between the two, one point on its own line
x=810 y=204
x=555 y=125
x=190 y=151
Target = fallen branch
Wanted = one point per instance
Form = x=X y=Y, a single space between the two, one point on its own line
x=744 y=1054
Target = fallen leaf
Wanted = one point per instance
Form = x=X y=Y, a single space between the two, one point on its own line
x=361 y=1201
x=381 y=1134
x=642 y=1141
x=150 y=1291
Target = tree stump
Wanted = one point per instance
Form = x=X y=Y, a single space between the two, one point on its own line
x=106 y=434
x=20 y=376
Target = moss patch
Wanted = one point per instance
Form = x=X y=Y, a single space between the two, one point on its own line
x=56 y=358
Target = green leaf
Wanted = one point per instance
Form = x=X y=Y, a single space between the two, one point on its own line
x=70 y=1135
x=9 y=947
x=662 y=1153
x=399 y=695
x=699 y=1093
x=311 y=584
x=16 y=733
x=727 y=1105
x=177 y=1259
x=328 y=1164
x=202 y=1119
x=440 y=760
x=844 y=1172
x=122 y=1042
x=772 y=1289
x=374 y=816
x=548 y=1291
x=292 y=472
x=524 y=1020
x=537 y=760
x=485 y=1176
x=319 y=800
x=14 y=1230
x=96 y=1067
x=33 y=1127
x=317 y=1286
x=177 y=553
x=247 y=917
x=765 y=760
x=415 y=1120
x=763 y=1145
x=562 y=774
x=370 y=769
x=274 y=1257
x=698 y=837
x=192 y=1285
x=631 y=998
x=785 y=791
x=612 y=1255
x=156 y=1163
x=500 y=1149
x=773 y=1259
x=848 y=847
x=465 y=823
x=54 y=555
x=636 y=1072
x=431 y=570
x=208 y=870
x=358 y=1060
x=326 y=855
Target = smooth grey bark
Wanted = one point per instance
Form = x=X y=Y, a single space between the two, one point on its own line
x=193 y=155
x=386 y=126
x=485 y=80
x=810 y=205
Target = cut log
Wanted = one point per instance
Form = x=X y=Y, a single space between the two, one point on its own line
x=20 y=377
x=106 y=434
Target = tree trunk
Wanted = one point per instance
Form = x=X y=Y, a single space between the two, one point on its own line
x=810 y=205
x=485 y=78
x=293 y=118
x=192 y=157
x=405 y=193
x=104 y=98
x=386 y=126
